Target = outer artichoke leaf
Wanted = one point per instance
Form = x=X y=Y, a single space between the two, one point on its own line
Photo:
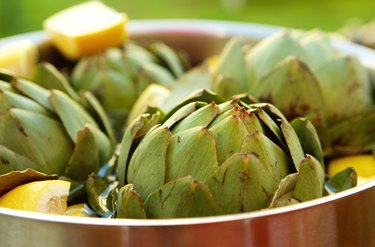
x=100 y=192
x=191 y=153
x=86 y=75
x=6 y=77
x=318 y=48
x=154 y=73
x=13 y=179
x=351 y=136
x=168 y=56
x=73 y=116
x=6 y=86
x=294 y=145
x=293 y=88
x=310 y=180
x=146 y=168
x=230 y=74
x=201 y=117
x=34 y=92
x=85 y=157
x=343 y=180
x=140 y=124
x=100 y=115
x=9 y=100
x=264 y=56
x=103 y=143
x=229 y=135
x=11 y=161
x=283 y=194
x=129 y=204
x=242 y=184
x=181 y=113
x=184 y=197
x=193 y=80
x=355 y=85
x=48 y=76
x=40 y=139
x=309 y=138
x=269 y=154
x=117 y=92
x=138 y=54
x=271 y=110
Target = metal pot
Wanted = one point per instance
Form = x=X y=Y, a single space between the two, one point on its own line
x=343 y=219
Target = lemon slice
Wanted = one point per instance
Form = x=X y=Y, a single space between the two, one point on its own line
x=47 y=196
x=364 y=165
x=86 y=28
x=19 y=57
x=77 y=210
x=153 y=96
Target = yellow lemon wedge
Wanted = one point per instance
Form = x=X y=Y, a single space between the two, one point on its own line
x=49 y=196
x=153 y=96
x=77 y=210
x=364 y=165
x=86 y=28
x=19 y=57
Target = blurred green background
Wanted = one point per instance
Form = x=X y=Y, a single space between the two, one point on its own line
x=19 y=16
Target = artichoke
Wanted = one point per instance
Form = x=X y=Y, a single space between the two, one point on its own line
x=48 y=131
x=303 y=75
x=209 y=156
x=118 y=76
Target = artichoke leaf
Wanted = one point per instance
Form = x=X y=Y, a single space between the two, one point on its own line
x=9 y=100
x=309 y=138
x=34 y=92
x=12 y=161
x=100 y=195
x=180 y=198
x=269 y=154
x=169 y=57
x=6 y=86
x=146 y=168
x=294 y=89
x=136 y=129
x=343 y=180
x=242 y=184
x=49 y=77
x=310 y=180
x=85 y=158
x=72 y=115
x=129 y=204
x=283 y=194
x=195 y=79
x=192 y=152
x=13 y=179
x=30 y=134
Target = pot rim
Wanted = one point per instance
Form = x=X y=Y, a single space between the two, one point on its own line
x=214 y=28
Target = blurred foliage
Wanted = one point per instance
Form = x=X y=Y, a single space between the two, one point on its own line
x=19 y=16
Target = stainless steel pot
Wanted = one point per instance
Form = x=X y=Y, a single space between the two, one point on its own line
x=344 y=219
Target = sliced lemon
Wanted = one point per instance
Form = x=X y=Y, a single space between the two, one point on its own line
x=77 y=210
x=364 y=165
x=86 y=28
x=19 y=57
x=47 y=196
x=153 y=96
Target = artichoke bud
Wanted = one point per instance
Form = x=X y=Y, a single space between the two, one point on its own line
x=228 y=156
x=40 y=130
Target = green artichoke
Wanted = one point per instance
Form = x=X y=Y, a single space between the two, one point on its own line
x=212 y=157
x=303 y=75
x=49 y=131
x=118 y=76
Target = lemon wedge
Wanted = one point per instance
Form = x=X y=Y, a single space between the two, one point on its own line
x=77 y=210
x=86 y=28
x=364 y=165
x=19 y=57
x=47 y=196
